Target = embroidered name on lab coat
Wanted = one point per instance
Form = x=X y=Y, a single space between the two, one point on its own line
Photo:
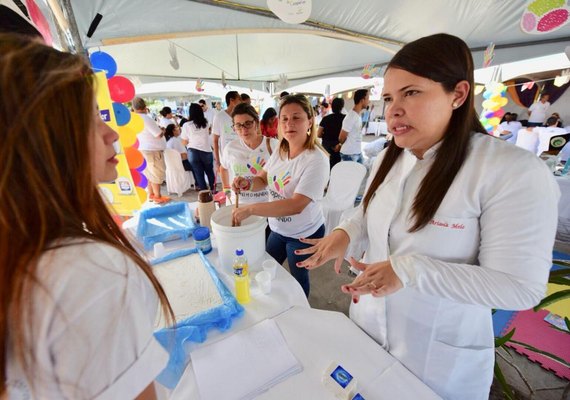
x=443 y=224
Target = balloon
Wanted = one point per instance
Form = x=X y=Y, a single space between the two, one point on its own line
x=136 y=123
x=136 y=145
x=142 y=194
x=134 y=157
x=103 y=62
x=136 y=177
x=142 y=167
x=144 y=181
x=121 y=89
x=127 y=136
x=489 y=114
x=487 y=94
x=494 y=121
x=499 y=113
x=122 y=114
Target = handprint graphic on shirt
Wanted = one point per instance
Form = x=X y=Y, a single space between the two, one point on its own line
x=256 y=165
x=280 y=182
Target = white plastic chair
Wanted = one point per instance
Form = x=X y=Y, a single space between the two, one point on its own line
x=178 y=180
x=346 y=178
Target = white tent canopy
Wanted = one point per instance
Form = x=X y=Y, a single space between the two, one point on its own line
x=248 y=43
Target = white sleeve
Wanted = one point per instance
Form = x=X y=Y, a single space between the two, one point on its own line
x=103 y=346
x=185 y=134
x=347 y=123
x=153 y=128
x=314 y=177
x=225 y=158
x=216 y=126
x=518 y=223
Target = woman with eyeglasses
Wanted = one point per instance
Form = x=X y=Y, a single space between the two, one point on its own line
x=196 y=137
x=295 y=177
x=246 y=156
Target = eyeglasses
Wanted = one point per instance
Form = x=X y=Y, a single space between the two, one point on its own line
x=247 y=124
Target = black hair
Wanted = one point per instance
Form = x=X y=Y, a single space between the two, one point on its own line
x=165 y=111
x=169 y=131
x=337 y=105
x=12 y=22
x=283 y=94
x=269 y=113
x=359 y=95
x=196 y=115
x=232 y=94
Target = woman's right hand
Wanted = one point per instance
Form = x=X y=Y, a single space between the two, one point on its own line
x=240 y=183
x=330 y=247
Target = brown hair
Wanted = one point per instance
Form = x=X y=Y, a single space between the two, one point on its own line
x=244 y=108
x=447 y=60
x=46 y=183
x=311 y=141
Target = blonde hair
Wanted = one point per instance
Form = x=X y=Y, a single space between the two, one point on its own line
x=311 y=141
x=46 y=183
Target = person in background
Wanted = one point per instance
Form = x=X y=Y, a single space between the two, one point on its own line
x=322 y=111
x=78 y=302
x=152 y=145
x=350 y=136
x=245 y=98
x=173 y=141
x=295 y=177
x=196 y=137
x=445 y=238
x=222 y=130
x=283 y=94
x=208 y=112
x=268 y=125
x=559 y=123
x=246 y=156
x=329 y=131
x=508 y=130
x=166 y=117
x=538 y=111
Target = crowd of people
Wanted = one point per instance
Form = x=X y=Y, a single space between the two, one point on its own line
x=440 y=238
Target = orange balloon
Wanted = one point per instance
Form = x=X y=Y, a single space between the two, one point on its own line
x=134 y=157
x=127 y=136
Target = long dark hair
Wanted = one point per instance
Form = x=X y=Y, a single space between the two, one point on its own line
x=169 y=132
x=447 y=60
x=196 y=115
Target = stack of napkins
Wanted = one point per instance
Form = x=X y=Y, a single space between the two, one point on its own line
x=244 y=365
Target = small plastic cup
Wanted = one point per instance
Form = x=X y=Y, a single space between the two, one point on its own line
x=263 y=280
x=158 y=250
x=270 y=266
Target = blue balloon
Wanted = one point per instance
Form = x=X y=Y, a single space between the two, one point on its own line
x=103 y=62
x=487 y=94
x=122 y=114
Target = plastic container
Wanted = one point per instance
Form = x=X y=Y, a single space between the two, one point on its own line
x=202 y=239
x=241 y=277
x=250 y=237
x=206 y=207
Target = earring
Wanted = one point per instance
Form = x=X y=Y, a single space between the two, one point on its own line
x=455 y=105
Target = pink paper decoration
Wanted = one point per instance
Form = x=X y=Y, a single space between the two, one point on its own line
x=543 y=16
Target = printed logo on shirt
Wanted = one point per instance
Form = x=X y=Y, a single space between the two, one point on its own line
x=280 y=181
x=255 y=164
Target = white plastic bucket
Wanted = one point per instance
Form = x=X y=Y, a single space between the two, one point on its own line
x=250 y=237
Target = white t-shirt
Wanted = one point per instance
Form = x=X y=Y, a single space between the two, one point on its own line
x=164 y=122
x=306 y=174
x=222 y=127
x=94 y=317
x=150 y=138
x=175 y=143
x=513 y=127
x=352 y=124
x=538 y=112
x=240 y=160
x=209 y=114
x=198 y=138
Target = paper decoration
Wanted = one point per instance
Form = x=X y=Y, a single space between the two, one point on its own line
x=495 y=98
x=369 y=71
x=173 y=56
x=291 y=11
x=283 y=82
x=527 y=85
x=489 y=55
x=224 y=83
x=543 y=16
x=199 y=85
x=327 y=90
x=39 y=20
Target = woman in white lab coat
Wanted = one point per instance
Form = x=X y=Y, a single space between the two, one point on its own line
x=449 y=228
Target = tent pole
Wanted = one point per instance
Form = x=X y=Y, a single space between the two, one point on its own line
x=65 y=19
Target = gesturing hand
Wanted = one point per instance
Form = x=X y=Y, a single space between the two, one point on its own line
x=322 y=250
x=377 y=279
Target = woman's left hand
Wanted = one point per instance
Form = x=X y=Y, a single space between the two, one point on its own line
x=241 y=213
x=377 y=279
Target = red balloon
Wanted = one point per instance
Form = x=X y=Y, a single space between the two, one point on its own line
x=121 y=89
x=136 y=177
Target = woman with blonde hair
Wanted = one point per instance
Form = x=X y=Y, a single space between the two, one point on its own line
x=78 y=304
x=295 y=177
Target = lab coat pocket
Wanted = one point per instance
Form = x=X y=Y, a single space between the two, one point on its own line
x=450 y=238
x=460 y=372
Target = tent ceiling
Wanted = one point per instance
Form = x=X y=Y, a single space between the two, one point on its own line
x=351 y=34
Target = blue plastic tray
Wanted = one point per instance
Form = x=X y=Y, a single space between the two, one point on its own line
x=161 y=224
x=196 y=327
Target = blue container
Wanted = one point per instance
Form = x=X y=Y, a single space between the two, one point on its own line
x=202 y=239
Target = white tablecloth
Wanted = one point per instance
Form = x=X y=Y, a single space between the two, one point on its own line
x=318 y=338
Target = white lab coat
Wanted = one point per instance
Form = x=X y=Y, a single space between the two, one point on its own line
x=489 y=245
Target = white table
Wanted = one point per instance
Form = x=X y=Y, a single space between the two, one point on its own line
x=318 y=338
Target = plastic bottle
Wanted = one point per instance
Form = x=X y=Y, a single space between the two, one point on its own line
x=206 y=207
x=241 y=277
x=566 y=168
x=202 y=239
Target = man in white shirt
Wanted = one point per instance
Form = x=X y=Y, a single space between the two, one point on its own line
x=209 y=113
x=152 y=144
x=351 y=133
x=537 y=112
x=222 y=127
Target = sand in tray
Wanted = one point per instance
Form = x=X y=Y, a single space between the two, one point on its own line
x=188 y=286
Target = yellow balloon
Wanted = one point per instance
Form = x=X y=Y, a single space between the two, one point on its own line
x=127 y=136
x=494 y=121
x=136 y=123
x=503 y=101
x=489 y=104
x=142 y=194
